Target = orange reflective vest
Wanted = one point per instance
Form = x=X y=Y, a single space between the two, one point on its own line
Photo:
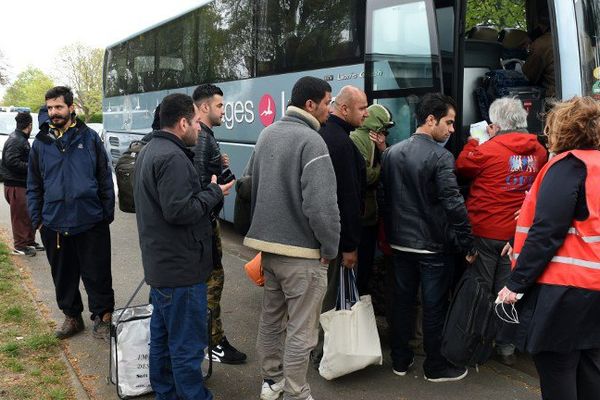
x=577 y=261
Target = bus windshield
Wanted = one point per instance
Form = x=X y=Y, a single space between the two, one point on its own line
x=588 y=27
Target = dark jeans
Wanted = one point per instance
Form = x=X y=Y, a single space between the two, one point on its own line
x=23 y=232
x=366 y=254
x=85 y=255
x=434 y=275
x=569 y=376
x=178 y=336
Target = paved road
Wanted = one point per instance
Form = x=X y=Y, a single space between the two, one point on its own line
x=241 y=307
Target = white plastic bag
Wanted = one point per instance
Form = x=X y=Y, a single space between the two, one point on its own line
x=351 y=337
x=130 y=339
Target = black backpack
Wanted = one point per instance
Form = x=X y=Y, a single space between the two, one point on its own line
x=471 y=326
x=495 y=84
x=125 y=174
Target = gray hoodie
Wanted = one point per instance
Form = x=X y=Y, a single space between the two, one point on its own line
x=294 y=201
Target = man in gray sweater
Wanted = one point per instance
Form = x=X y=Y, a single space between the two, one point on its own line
x=296 y=224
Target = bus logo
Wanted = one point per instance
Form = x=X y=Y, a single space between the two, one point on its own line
x=266 y=110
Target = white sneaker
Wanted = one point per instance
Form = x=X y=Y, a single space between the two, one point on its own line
x=271 y=390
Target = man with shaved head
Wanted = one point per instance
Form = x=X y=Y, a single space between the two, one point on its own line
x=349 y=112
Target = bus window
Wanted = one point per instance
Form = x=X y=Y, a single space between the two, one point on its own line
x=310 y=35
x=225 y=41
x=116 y=73
x=176 y=53
x=588 y=27
x=500 y=14
x=141 y=62
x=402 y=42
x=402 y=59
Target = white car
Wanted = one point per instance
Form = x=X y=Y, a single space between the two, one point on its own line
x=99 y=128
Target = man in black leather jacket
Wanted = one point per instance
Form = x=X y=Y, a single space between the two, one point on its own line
x=425 y=216
x=209 y=161
x=15 y=156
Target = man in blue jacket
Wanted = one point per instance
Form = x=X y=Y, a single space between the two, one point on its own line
x=70 y=196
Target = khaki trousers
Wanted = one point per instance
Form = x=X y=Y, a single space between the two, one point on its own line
x=288 y=326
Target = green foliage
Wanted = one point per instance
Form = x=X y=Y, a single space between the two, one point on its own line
x=82 y=66
x=498 y=13
x=3 y=70
x=30 y=364
x=28 y=89
x=95 y=118
x=14 y=313
x=15 y=366
x=59 y=394
x=11 y=349
x=43 y=341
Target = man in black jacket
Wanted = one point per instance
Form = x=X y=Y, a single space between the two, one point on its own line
x=172 y=212
x=15 y=156
x=349 y=112
x=209 y=161
x=425 y=216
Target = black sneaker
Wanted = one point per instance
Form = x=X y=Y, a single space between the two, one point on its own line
x=507 y=359
x=37 y=246
x=315 y=358
x=227 y=354
x=101 y=328
x=24 y=251
x=450 y=374
x=401 y=370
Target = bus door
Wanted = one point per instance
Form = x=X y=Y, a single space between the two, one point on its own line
x=402 y=58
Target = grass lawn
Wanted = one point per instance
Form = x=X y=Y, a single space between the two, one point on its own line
x=30 y=362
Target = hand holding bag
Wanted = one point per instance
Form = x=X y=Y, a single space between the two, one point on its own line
x=351 y=337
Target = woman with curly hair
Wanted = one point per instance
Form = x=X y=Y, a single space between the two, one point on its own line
x=556 y=263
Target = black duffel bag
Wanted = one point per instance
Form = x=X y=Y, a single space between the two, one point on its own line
x=471 y=326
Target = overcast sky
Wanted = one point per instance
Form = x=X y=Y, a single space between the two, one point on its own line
x=32 y=32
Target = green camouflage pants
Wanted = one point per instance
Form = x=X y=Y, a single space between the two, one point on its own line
x=215 y=286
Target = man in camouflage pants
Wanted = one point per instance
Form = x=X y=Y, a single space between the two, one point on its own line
x=209 y=161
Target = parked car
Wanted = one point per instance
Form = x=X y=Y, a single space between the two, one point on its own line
x=99 y=128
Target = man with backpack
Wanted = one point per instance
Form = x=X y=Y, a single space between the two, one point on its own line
x=125 y=168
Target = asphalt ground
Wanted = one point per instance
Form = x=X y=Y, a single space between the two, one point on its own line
x=240 y=312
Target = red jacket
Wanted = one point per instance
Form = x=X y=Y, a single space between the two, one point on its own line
x=502 y=169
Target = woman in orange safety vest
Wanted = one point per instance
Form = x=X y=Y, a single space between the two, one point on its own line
x=556 y=258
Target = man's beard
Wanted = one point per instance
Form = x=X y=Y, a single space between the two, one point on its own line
x=191 y=138
x=217 y=121
x=59 y=121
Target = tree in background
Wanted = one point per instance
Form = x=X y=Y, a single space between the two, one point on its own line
x=3 y=70
x=81 y=66
x=499 y=13
x=28 y=89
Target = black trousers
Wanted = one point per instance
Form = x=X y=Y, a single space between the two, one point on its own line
x=569 y=376
x=86 y=256
x=366 y=254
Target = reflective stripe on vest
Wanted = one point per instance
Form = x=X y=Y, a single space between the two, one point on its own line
x=577 y=262
x=572 y=231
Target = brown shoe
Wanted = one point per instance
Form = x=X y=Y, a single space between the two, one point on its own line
x=102 y=326
x=71 y=326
